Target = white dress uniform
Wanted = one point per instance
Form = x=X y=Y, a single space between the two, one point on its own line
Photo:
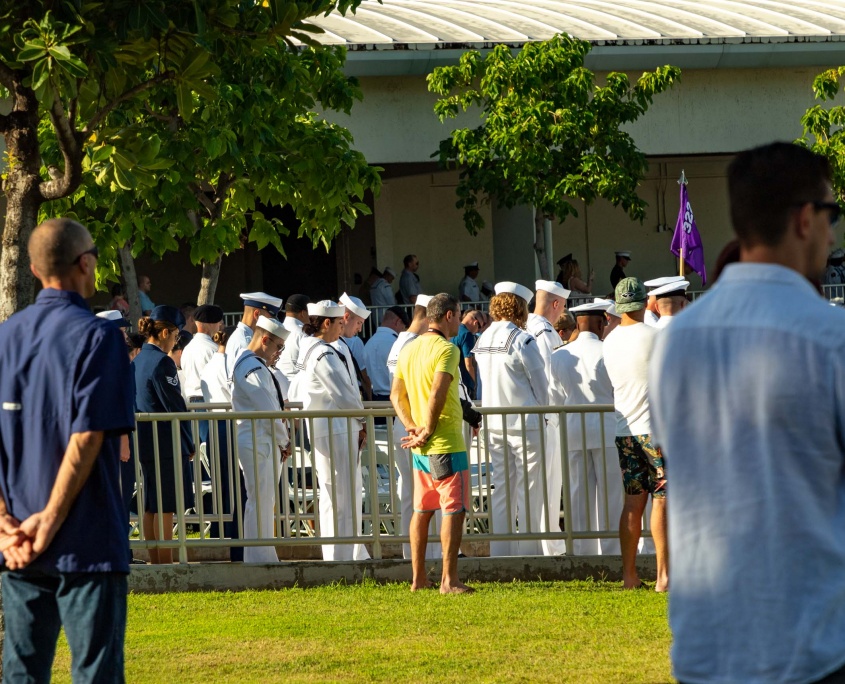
x=381 y=293
x=324 y=383
x=579 y=377
x=376 y=353
x=468 y=288
x=287 y=359
x=214 y=380
x=196 y=355
x=238 y=341
x=513 y=374
x=254 y=389
x=547 y=341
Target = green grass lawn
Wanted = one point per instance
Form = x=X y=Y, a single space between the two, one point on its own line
x=520 y=632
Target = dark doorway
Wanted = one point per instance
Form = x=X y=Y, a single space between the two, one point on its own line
x=304 y=269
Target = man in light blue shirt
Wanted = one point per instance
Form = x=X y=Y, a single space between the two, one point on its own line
x=751 y=415
x=144 y=287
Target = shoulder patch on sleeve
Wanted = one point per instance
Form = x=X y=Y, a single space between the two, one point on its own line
x=173 y=381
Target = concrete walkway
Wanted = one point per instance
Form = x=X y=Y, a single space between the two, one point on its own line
x=240 y=576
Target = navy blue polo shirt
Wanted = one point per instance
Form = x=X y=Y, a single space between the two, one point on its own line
x=64 y=371
x=465 y=341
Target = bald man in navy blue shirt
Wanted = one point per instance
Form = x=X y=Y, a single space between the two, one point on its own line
x=65 y=411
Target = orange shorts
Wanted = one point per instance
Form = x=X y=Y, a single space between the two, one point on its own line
x=450 y=492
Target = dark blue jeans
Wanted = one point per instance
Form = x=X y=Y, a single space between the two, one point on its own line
x=90 y=606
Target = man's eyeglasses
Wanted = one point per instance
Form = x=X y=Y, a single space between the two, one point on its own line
x=93 y=251
x=279 y=345
x=834 y=209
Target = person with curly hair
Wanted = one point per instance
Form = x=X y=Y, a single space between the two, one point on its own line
x=513 y=374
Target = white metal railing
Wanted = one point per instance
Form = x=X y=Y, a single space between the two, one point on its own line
x=296 y=504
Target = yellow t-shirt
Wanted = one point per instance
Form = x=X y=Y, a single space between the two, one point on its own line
x=417 y=364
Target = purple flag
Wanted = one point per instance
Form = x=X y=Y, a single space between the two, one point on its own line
x=687 y=237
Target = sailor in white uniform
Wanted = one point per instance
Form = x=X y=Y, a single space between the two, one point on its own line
x=579 y=377
x=255 y=304
x=262 y=444
x=468 y=290
x=296 y=316
x=513 y=374
x=381 y=291
x=326 y=382
x=612 y=317
x=351 y=346
x=198 y=352
x=402 y=457
x=671 y=300
x=652 y=314
x=550 y=303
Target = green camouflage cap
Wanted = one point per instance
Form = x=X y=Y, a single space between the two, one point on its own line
x=630 y=295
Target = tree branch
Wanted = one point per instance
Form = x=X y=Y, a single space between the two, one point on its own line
x=203 y=199
x=132 y=92
x=223 y=184
x=62 y=184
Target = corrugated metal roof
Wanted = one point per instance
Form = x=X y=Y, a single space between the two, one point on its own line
x=425 y=24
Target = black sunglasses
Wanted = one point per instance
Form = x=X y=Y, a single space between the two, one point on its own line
x=834 y=209
x=93 y=251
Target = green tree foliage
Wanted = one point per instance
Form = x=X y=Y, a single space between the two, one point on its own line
x=823 y=128
x=165 y=180
x=550 y=133
x=85 y=79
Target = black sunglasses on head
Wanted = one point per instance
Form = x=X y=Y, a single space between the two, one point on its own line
x=93 y=251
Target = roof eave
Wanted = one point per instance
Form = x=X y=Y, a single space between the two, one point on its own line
x=402 y=59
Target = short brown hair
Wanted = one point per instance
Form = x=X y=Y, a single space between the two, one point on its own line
x=767 y=183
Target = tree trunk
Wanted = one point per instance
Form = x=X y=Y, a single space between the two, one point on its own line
x=23 y=198
x=208 y=284
x=130 y=277
x=540 y=244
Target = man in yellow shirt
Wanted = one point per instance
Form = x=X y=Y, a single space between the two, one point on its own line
x=425 y=396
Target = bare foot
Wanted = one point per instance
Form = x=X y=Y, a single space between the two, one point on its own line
x=661 y=586
x=417 y=587
x=639 y=585
x=456 y=588
x=631 y=582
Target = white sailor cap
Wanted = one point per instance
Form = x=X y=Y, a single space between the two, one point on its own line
x=665 y=280
x=261 y=300
x=389 y=271
x=272 y=326
x=514 y=288
x=552 y=287
x=837 y=254
x=597 y=307
x=355 y=305
x=114 y=316
x=611 y=306
x=471 y=265
x=327 y=308
x=625 y=254
x=678 y=288
x=422 y=300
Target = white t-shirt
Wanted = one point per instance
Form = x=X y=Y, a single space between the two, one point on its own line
x=626 y=355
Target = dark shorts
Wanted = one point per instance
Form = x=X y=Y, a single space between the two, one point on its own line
x=643 y=466
x=168 y=487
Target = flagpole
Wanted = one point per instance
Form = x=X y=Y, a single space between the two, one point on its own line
x=682 y=181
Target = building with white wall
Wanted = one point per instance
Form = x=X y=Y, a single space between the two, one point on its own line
x=747 y=72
